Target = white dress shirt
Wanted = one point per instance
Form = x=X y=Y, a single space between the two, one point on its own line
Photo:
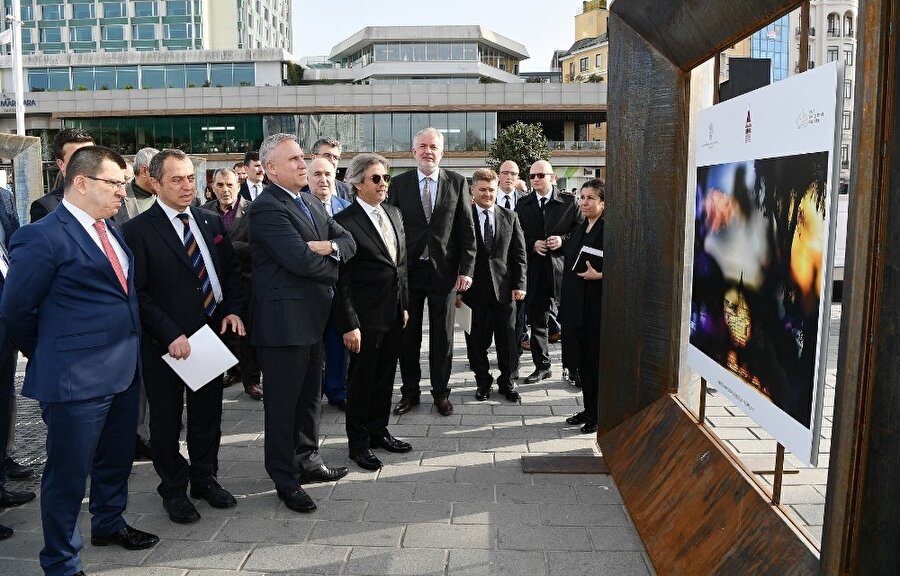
x=501 y=199
x=254 y=188
x=486 y=213
x=87 y=222
x=172 y=215
x=369 y=209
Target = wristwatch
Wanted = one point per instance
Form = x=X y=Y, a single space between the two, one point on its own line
x=334 y=248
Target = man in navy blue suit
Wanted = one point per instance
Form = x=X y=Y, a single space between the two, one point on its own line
x=70 y=306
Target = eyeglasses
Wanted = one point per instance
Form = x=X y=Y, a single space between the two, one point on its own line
x=333 y=157
x=113 y=183
x=508 y=173
x=376 y=178
x=539 y=175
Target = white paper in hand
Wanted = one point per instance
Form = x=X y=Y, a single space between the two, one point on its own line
x=209 y=358
x=464 y=318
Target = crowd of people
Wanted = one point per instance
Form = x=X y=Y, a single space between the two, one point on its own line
x=318 y=287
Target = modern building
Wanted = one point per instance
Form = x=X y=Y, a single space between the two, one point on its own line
x=774 y=42
x=80 y=26
x=420 y=55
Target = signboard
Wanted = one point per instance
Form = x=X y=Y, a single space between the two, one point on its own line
x=765 y=208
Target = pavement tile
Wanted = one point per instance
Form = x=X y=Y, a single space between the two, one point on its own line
x=160 y=525
x=584 y=515
x=455 y=492
x=430 y=535
x=601 y=563
x=470 y=445
x=615 y=538
x=459 y=432
x=112 y=570
x=530 y=494
x=333 y=533
x=297 y=559
x=457 y=459
x=371 y=491
x=183 y=554
x=19 y=566
x=515 y=537
x=366 y=561
x=598 y=494
x=491 y=475
x=378 y=511
x=496 y=563
x=345 y=510
x=269 y=530
x=812 y=514
x=416 y=473
x=495 y=514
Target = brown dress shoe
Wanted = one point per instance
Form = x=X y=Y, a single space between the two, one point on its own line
x=526 y=345
x=405 y=405
x=254 y=391
x=444 y=407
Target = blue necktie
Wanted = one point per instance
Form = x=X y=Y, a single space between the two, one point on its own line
x=306 y=211
x=196 y=258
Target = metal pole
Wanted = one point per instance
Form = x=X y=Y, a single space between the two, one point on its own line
x=18 y=75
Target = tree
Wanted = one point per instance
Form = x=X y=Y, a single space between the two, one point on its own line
x=522 y=143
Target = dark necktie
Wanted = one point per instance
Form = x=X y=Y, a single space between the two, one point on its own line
x=100 y=227
x=543 y=202
x=306 y=211
x=488 y=232
x=508 y=205
x=196 y=259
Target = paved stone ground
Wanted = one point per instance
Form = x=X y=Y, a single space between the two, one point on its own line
x=458 y=504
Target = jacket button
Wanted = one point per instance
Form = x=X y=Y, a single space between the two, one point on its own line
x=133 y=331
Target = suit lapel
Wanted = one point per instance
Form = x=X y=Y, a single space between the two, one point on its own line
x=443 y=201
x=364 y=222
x=167 y=230
x=74 y=229
x=501 y=227
x=292 y=206
x=401 y=245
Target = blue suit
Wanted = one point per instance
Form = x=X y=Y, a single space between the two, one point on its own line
x=9 y=220
x=334 y=382
x=66 y=311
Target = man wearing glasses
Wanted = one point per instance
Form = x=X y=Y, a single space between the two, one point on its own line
x=330 y=149
x=548 y=218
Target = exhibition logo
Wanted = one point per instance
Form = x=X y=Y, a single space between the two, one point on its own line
x=748 y=128
x=8 y=104
x=809 y=117
x=711 y=142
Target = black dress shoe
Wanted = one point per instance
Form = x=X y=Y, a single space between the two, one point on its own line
x=230 y=380
x=142 y=450
x=339 y=404
x=254 y=392
x=538 y=375
x=554 y=338
x=510 y=393
x=366 y=459
x=9 y=498
x=213 y=493
x=390 y=444
x=589 y=428
x=298 y=501
x=16 y=471
x=482 y=393
x=128 y=538
x=180 y=509
x=405 y=405
x=577 y=418
x=5 y=532
x=80 y=573
x=323 y=474
x=444 y=407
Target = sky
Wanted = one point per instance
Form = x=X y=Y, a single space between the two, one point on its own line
x=541 y=26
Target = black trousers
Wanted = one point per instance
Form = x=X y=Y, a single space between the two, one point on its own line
x=441 y=315
x=537 y=306
x=7 y=400
x=589 y=369
x=497 y=319
x=292 y=408
x=370 y=383
x=166 y=394
x=247 y=368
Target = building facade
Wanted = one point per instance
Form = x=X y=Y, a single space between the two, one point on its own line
x=81 y=26
x=774 y=42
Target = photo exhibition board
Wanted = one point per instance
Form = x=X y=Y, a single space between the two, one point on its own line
x=763 y=248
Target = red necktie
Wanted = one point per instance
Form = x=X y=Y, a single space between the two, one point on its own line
x=100 y=227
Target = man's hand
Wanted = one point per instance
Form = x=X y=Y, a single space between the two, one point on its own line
x=353 y=340
x=518 y=295
x=463 y=283
x=320 y=247
x=237 y=325
x=590 y=273
x=405 y=317
x=554 y=242
x=180 y=348
x=458 y=302
x=540 y=246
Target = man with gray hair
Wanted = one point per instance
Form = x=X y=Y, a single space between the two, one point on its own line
x=296 y=251
x=330 y=149
x=139 y=194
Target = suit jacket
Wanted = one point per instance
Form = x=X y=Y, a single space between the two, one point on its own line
x=167 y=285
x=9 y=217
x=64 y=308
x=292 y=285
x=244 y=192
x=46 y=204
x=450 y=234
x=130 y=207
x=239 y=233
x=337 y=203
x=502 y=270
x=559 y=218
x=372 y=290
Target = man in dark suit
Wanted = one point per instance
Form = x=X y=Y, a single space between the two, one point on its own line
x=233 y=210
x=186 y=276
x=371 y=309
x=65 y=143
x=498 y=284
x=508 y=196
x=440 y=242
x=321 y=174
x=9 y=223
x=330 y=149
x=296 y=249
x=548 y=218
x=254 y=184
x=71 y=307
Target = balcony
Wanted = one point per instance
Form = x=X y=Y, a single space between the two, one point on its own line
x=834 y=33
x=812 y=32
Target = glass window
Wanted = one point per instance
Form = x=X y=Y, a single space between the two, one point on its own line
x=406 y=52
x=419 y=52
x=59 y=79
x=583 y=64
x=116 y=32
x=53 y=12
x=195 y=74
x=221 y=75
x=470 y=52
x=455 y=135
x=175 y=76
x=431 y=52
x=456 y=51
x=832 y=54
x=475 y=131
x=848 y=57
x=143 y=32
x=365 y=133
x=114 y=10
x=81 y=34
x=83 y=78
x=180 y=31
x=381 y=52
x=443 y=52
x=845 y=153
x=401 y=139
x=83 y=11
x=598 y=61
x=27 y=12
x=848 y=89
x=126 y=76
x=51 y=34
x=104 y=78
x=383 y=133
x=38 y=78
x=244 y=74
x=146 y=8
x=177 y=7
x=153 y=77
x=846 y=120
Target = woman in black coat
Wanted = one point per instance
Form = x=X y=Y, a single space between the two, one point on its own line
x=582 y=289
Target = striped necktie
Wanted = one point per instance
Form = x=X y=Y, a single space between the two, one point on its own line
x=196 y=259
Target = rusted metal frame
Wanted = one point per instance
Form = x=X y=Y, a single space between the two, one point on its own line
x=804 y=37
